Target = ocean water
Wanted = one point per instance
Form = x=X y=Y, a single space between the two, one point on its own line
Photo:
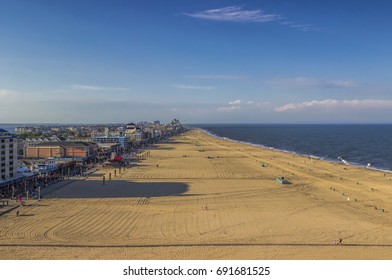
x=10 y=127
x=358 y=144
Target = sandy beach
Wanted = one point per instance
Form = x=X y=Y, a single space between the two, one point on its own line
x=199 y=197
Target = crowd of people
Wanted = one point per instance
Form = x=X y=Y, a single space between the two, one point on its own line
x=31 y=186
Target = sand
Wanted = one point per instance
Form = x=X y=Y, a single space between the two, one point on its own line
x=198 y=197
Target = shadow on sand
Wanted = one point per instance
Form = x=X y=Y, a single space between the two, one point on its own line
x=119 y=189
x=162 y=148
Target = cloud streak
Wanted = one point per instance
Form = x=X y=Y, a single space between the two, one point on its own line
x=238 y=14
x=239 y=104
x=329 y=104
x=306 y=82
x=234 y=14
x=215 y=77
x=228 y=109
x=96 y=88
x=235 y=102
x=192 y=87
x=302 y=27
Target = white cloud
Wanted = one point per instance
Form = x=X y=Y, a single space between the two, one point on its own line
x=341 y=84
x=194 y=87
x=235 y=102
x=96 y=88
x=228 y=109
x=234 y=14
x=337 y=104
x=311 y=82
x=238 y=14
x=250 y=106
x=215 y=77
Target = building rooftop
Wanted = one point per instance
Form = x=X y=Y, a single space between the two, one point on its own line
x=5 y=134
x=64 y=143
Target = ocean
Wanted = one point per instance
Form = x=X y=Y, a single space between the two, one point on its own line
x=10 y=127
x=358 y=144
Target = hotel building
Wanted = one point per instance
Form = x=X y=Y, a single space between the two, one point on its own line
x=8 y=155
x=74 y=150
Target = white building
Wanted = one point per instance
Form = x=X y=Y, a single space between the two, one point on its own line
x=115 y=139
x=8 y=155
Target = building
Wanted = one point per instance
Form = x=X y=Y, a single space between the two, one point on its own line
x=74 y=150
x=134 y=133
x=25 y=129
x=112 y=139
x=8 y=155
x=131 y=128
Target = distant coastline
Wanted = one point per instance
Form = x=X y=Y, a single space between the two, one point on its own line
x=10 y=127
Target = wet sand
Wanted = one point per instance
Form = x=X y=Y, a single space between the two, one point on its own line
x=198 y=197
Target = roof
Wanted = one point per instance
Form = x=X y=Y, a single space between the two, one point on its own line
x=5 y=134
x=64 y=143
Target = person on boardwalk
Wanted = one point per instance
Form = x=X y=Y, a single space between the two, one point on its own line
x=17 y=213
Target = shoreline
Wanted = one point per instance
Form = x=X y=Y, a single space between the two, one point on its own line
x=209 y=133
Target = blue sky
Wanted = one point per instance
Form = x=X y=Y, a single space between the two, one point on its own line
x=265 y=61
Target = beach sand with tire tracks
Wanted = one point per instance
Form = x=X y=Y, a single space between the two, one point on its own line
x=199 y=197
